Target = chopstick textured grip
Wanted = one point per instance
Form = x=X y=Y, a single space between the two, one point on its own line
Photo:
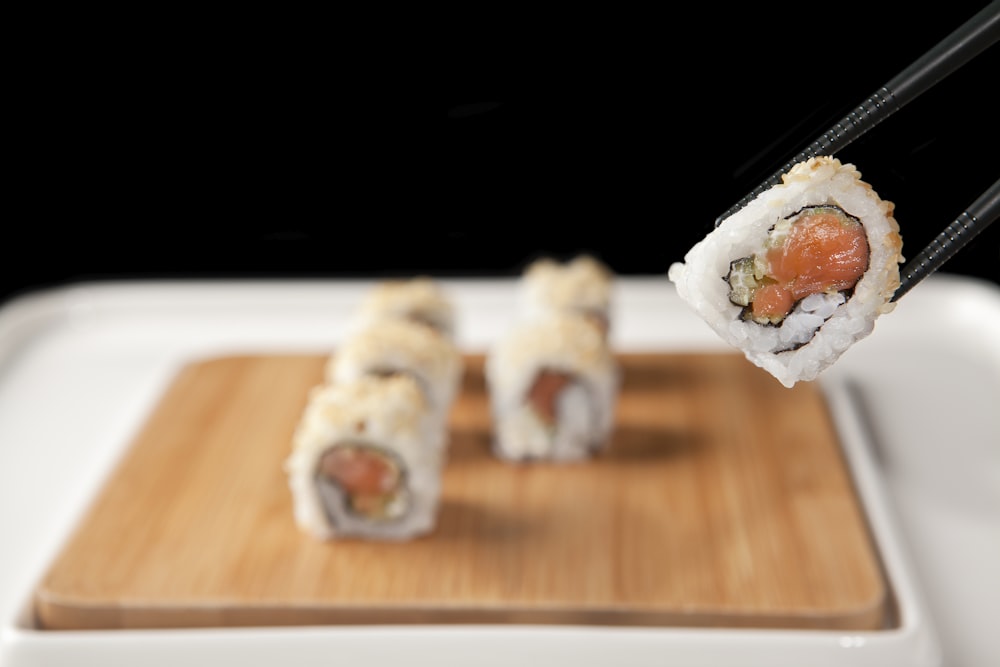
x=937 y=252
x=880 y=105
x=980 y=214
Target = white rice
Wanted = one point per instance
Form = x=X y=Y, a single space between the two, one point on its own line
x=822 y=328
x=583 y=285
x=401 y=346
x=420 y=299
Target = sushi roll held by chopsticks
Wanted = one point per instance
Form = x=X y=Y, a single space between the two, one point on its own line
x=366 y=461
x=801 y=273
x=553 y=382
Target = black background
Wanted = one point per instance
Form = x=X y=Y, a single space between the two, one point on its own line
x=472 y=155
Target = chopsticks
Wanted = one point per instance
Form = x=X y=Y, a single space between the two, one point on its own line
x=977 y=217
x=966 y=42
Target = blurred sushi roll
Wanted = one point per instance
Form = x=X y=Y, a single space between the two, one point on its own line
x=401 y=346
x=582 y=285
x=420 y=299
x=553 y=384
x=801 y=273
x=366 y=461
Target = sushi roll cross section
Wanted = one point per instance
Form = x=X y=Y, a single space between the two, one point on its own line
x=801 y=273
x=366 y=460
x=370 y=479
x=370 y=445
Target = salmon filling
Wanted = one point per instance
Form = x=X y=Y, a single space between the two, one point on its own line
x=544 y=393
x=369 y=480
x=818 y=249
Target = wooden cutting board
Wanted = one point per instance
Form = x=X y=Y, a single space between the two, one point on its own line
x=724 y=501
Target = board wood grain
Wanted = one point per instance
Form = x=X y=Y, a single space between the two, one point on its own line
x=723 y=501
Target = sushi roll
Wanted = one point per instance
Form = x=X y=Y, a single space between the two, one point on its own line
x=420 y=299
x=366 y=461
x=801 y=273
x=553 y=384
x=583 y=285
x=393 y=346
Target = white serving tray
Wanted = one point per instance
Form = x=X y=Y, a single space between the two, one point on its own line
x=916 y=404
